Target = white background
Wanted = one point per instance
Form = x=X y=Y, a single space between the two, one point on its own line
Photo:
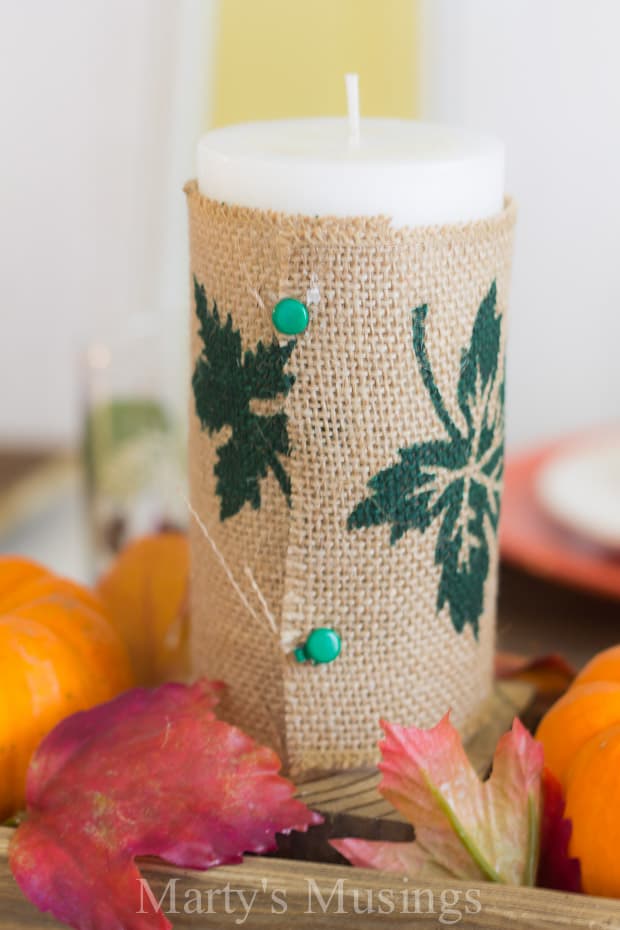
x=101 y=102
x=544 y=75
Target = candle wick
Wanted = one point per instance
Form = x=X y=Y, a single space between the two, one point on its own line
x=352 y=85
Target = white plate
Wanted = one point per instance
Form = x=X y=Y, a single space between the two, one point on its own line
x=580 y=489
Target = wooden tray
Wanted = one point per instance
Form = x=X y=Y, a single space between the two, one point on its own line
x=329 y=894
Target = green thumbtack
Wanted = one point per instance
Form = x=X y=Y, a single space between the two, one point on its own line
x=290 y=316
x=323 y=645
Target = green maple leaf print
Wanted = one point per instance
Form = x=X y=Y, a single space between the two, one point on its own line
x=456 y=480
x=226 y=381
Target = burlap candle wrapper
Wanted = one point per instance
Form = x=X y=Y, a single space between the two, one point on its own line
x=347 y=477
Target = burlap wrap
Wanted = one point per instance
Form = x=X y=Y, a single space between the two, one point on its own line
x=359 y=397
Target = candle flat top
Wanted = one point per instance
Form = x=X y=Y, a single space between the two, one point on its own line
x=328 y=140
x=416 y=173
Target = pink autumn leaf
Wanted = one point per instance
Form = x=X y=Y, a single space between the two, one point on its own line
x=152 y=773
x=464 y=827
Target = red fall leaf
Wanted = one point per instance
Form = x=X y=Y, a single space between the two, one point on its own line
x=556 y=868
x=152 y=773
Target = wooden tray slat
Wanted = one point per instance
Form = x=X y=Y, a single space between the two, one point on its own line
x=501 y=907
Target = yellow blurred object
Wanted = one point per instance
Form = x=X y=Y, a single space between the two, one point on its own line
x=287 y=58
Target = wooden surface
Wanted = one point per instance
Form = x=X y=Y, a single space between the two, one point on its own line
x=536 y=616
x=501 y=907
x=30 y=480
x=18 y=463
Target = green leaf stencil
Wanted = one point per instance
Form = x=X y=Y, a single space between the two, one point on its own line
x=226 y=381
x=456 y=480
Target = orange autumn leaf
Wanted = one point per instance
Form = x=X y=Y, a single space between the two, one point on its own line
x=145 y=594
x=549 y=674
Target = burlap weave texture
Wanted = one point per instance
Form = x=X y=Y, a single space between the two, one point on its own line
x=271 y=575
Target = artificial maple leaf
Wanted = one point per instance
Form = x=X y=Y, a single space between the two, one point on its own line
x=550 y=674
x=152 y=773
x=464 y=828
x=456 y=480
x=226 y=381
x=557 y=869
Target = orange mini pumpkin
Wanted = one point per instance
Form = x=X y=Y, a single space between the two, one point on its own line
x=145 y=594
x=579 y=714
x=593 y=807
x=604 y=666
x=58 y=654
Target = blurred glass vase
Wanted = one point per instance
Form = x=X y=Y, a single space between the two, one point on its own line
x=133 y=440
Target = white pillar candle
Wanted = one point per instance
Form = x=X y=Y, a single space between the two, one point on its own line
x=416 y=173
